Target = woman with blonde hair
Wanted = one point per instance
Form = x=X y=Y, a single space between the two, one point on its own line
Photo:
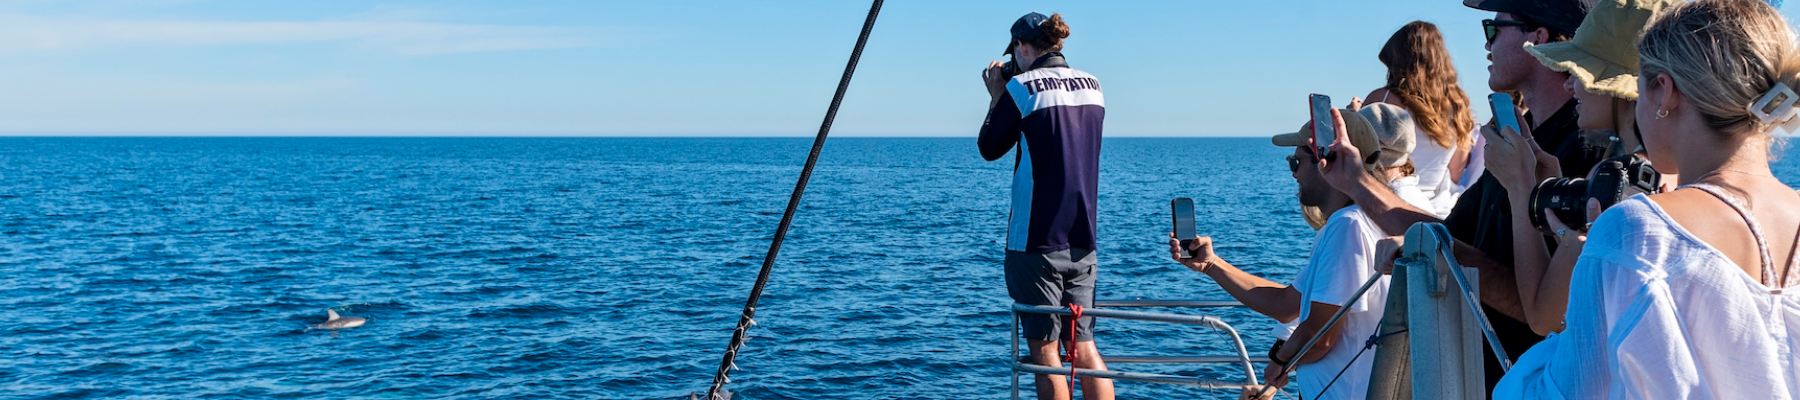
x=1681 y=294
x=1422 y=80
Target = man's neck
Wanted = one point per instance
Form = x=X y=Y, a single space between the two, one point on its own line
x=1337 y=202
x=1544 y=97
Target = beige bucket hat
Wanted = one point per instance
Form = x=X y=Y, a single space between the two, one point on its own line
x=1603 y=53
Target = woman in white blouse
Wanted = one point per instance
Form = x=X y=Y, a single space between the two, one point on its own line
x=1681 y=294
x=1421 y=79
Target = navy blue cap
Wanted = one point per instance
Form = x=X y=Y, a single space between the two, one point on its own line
x=1561 y=16
x=1026 y=28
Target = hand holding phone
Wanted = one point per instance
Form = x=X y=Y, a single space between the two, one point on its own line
x=1505 y=115
x=1182 y=210
x=1324 y=131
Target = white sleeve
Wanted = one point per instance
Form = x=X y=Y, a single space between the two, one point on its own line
x=1611 y=304
x=1341 y=263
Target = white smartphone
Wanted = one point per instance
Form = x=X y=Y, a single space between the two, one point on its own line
x=1505 y=115
x=1324 y=132
x=1183 y=211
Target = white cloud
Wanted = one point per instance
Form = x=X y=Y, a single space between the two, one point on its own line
x=28 y=34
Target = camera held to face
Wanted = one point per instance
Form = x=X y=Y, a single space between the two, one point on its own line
x=1614 y=179
x=1010 y=69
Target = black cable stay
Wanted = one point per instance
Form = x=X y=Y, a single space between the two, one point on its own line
x=717 y=392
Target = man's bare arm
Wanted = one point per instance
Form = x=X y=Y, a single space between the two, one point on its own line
x=1385 y=208
x=1499 y=288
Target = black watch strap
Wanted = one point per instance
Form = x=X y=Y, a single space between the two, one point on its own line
x=1273 y=350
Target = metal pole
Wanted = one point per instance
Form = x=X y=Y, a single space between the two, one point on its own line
x=1470 y=297
x=787 y=219
x=1014 y=357
x=1289 y=368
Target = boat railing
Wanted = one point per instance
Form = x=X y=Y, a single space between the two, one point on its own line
x=1438 y=354
x=1109 y=309
x=1439 y=303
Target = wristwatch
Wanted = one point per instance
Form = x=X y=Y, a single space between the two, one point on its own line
x=1276 y=349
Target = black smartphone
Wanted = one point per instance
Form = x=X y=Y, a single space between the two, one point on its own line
x=1183 y=211
x=1324 y=132
x=1504 y=114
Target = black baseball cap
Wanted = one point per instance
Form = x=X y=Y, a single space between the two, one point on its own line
x=1560 y=16
x=1026 y=28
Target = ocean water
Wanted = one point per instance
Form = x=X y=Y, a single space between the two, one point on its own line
x=578 y=268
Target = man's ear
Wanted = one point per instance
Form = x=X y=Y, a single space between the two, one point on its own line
x=1540 y=35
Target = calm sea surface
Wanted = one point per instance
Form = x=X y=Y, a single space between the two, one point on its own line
x=577 y=268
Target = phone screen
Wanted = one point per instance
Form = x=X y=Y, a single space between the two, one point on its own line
x=1324 y=131
x=1504 y=114
x=1183 y=211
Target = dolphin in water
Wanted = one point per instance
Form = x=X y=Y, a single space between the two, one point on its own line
x=334 y=322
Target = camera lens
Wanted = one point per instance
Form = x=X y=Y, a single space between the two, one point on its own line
x=1567 y=197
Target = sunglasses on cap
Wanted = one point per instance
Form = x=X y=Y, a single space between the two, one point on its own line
x=1492 y=27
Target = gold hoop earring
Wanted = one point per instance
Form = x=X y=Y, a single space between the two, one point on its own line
x=1660 y=114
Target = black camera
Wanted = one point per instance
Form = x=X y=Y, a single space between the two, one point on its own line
x=1614 y=179
x=1010 y=69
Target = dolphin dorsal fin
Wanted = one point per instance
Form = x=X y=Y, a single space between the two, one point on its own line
x=331 y=315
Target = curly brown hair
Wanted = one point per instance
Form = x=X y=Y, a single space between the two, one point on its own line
x=1420 y=73
x=1054 y=31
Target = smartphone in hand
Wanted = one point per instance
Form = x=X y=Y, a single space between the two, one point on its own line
x=1505 y=115
x=1183 y=211
x=1324 y=131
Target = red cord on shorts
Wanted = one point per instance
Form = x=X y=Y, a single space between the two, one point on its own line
x=1074 y=324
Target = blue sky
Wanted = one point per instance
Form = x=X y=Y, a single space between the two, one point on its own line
x=672 y=68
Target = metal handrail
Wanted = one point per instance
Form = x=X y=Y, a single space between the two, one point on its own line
x=1243 y=355
x=1446 y=249
x=1204 y=303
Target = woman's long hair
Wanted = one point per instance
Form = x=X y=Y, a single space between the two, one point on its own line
x=1420 y=73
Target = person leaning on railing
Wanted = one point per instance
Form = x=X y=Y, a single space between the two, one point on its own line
x=1602 y=62
x=1343 y=258
x=1681 y=294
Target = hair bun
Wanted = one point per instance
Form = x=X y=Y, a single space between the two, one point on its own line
x=1055 y=27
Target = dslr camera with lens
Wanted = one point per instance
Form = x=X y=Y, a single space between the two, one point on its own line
x=1614 y=179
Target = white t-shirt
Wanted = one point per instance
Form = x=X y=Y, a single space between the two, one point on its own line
x=1656 y=313
x=1407 y=187
x=1343 y=258
x=1283 y=330
x=1431 y=162
x=1477 y=164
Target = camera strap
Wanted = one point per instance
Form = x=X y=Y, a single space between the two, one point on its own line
x=1052 y=59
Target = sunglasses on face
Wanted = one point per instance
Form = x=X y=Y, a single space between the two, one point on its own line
x=1492 y=27
x=1294 y=163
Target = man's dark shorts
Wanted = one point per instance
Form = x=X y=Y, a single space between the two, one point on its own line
x=1052 y=279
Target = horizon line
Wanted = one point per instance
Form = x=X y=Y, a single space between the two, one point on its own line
x=453 y=136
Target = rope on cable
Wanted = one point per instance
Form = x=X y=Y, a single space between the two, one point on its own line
x=1289 y=368
x=745 y=321
x=1370 y=344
